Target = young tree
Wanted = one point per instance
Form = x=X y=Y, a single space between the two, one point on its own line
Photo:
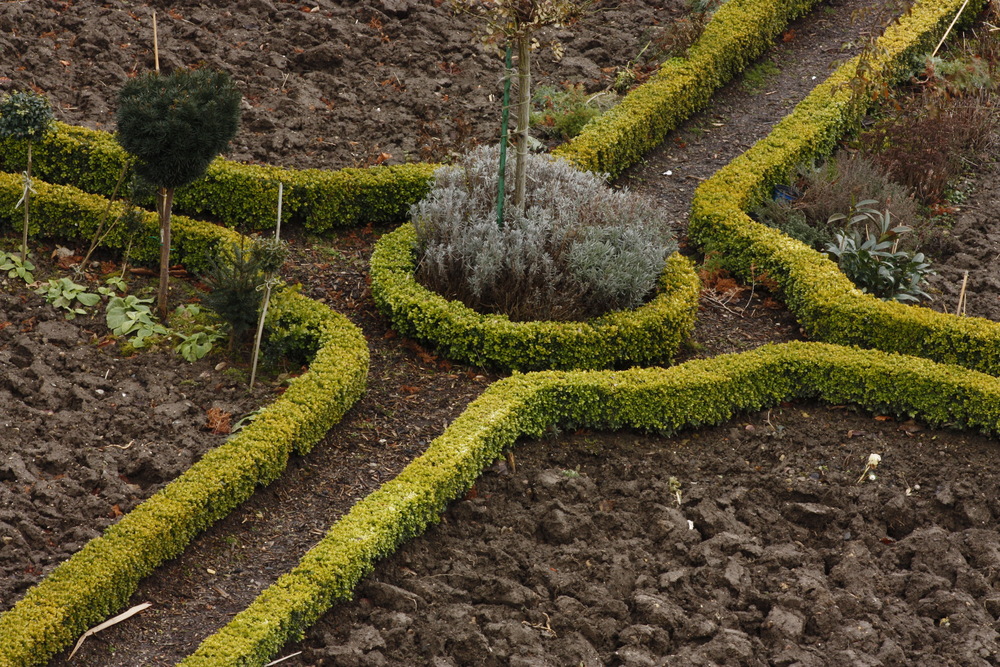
x=26 y=116
x=515 y=22
x=175 y=125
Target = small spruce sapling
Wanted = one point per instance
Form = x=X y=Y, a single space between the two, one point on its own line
x=25 y=116
x=175 y=125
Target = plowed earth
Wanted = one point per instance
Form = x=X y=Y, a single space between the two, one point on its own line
x=773 y=553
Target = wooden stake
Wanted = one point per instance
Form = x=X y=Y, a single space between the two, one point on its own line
x=948 y=31
x=960 y=308
x=156 y=46
x=511 y=463
x=267 y=297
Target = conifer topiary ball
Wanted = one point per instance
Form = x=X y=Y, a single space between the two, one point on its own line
x=25 y=115
x=176 y=124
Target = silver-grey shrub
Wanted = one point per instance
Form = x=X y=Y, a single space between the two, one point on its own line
x=579 y=249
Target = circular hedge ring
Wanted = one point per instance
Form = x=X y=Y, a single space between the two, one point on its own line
x=648 y=335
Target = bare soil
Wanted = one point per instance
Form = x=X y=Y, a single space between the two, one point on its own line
x=87 y=433
x=751 y=543
x=325 y=84
x=583 y=556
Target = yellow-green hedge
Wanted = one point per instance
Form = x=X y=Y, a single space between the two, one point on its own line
x=739 y=32
x=689 y=395
x=238 y=195
x=64 y=212
x=827 y=304
x=99 y=579
x=245 y=196
x=650 y=334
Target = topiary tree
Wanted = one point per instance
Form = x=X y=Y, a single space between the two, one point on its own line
x=175 y=125
x=25 y=116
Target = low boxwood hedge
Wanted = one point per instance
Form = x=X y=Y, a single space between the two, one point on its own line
x=650 y=334
x=238 y=195
x=825 y=302
x=739 y=32
x=99 y=579
x=689 y=395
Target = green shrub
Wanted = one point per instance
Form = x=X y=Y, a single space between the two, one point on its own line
x=824 y=301
x=871 y=257
x=236 y=278
x=238 y=195
x=689 y=395
x=738 y=33
x=650 y=334
x=562 y=113
x=579 y=249
x=97 y=581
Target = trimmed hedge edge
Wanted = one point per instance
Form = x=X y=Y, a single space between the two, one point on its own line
x=245 y=195
x=739 y=33
x=650 y=334
x=237 y=194
x=693 y=394
x=826 y=303
x=100 y=578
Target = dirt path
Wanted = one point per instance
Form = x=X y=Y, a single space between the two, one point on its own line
x=413 y=393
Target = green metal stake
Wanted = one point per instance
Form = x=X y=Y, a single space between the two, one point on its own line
x=504 y=117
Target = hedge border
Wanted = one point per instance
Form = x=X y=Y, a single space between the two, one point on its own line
x=739 y=33
x=65 y=212
x=693 y=394
x=239 y=195
x=100 y=578
x=646 y=335
x=826 y=303
x=245 y=196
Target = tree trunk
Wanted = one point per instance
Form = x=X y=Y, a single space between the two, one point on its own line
x=27 y=198
x=166 y=201
x=523 y=109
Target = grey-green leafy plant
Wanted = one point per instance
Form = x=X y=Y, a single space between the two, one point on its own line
x=175 y=125
x=26 y=116
x=130 y=317
x=17 y=267
x=868 y=253
x=69 y=296
x=578 y=250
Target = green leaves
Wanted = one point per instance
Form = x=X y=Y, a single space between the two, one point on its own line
x=25 y=115
x=16 y=267
x=176 y=124
x=131 y=317
x=68 y=295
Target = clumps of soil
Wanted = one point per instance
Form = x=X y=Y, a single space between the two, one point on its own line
x=88 y=434
x=325 y=84
x=967 y=254
x=751 y=543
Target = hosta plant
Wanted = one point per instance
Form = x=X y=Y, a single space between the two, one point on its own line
x=69 y=296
